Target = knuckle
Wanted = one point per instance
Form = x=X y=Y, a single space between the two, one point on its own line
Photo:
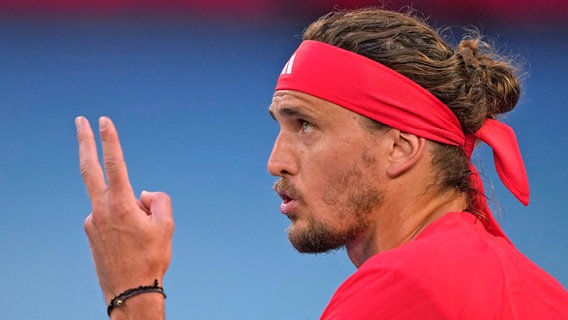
x=113 y=165
x=118 y=208
x=165 y=196
x=83 y=136
x=108 y=135
x=85 y=166
x=88 y=224
x=169 y=224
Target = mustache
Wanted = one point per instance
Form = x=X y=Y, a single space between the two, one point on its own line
x=284 y=186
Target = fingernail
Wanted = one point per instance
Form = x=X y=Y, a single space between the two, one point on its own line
x=79 y=123
x=103 y=123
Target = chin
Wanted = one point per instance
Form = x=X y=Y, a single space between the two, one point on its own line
x=313 y=238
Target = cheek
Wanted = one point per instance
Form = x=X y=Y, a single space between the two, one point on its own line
x=329 y=176
x=320 y=169
x=350 y=188
x=341 y=185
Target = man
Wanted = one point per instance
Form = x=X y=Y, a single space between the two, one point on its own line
x=378 y=119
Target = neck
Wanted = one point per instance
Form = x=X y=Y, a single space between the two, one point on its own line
x=401 y=221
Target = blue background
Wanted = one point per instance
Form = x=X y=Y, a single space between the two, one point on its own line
x=190 y=98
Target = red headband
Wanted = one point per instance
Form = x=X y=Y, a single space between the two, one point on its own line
x=373 y=90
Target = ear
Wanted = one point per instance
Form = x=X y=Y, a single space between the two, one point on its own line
x=407 y=150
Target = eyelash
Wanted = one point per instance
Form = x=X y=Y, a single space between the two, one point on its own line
x=304 y=124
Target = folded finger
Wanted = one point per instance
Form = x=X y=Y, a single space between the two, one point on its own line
x=159 y=205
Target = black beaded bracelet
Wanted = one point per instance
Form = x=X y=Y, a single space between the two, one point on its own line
x=121 y=298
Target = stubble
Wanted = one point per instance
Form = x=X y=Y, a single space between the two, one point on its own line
x=350 y=197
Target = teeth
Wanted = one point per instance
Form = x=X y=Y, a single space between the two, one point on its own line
x=285 y=198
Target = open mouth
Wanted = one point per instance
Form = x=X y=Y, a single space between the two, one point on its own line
x=291 y=198
x=285 y=198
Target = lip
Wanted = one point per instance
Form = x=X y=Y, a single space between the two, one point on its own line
x=288 y=204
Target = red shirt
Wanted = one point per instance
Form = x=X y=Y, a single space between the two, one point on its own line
x=454 y=269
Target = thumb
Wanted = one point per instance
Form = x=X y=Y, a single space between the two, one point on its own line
x=158 y=204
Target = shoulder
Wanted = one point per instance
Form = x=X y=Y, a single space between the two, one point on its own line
x=450 y=270
x=382 y=293
x=403 y=283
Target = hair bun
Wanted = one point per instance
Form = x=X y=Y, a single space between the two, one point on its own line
x=467 y=50
x=492 y=78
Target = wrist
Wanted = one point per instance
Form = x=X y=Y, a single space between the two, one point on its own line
x=119 y=286
x=150 y=297
x=149 y=306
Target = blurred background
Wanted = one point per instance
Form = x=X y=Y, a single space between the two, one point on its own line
x=188 y=83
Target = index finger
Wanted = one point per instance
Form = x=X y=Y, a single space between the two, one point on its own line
x=115 y=167
x=88 y=160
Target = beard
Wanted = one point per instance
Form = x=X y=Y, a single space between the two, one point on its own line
x=350 y=199
x=319 y=237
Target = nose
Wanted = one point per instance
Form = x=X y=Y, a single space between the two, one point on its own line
x=282 y=161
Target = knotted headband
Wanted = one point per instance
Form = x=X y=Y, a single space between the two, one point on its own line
x=375 y=91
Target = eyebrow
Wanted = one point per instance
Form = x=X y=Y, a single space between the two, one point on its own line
x=288 y=112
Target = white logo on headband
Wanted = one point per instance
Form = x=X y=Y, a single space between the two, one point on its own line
x=288 y=66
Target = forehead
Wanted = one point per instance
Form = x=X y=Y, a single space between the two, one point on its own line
x=294 y=103
x=288 y=98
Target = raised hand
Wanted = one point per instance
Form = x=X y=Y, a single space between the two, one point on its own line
x=130 y=238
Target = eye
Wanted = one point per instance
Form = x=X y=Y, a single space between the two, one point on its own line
x=306 y=126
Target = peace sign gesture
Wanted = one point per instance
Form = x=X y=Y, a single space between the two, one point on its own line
x=130 y=238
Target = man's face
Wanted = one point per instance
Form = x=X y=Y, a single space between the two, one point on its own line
x=328 y=164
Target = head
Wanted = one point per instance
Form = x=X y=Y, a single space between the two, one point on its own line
x=473 y=82
x=327 y=161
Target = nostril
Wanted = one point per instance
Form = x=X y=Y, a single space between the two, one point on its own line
x=278 y=168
